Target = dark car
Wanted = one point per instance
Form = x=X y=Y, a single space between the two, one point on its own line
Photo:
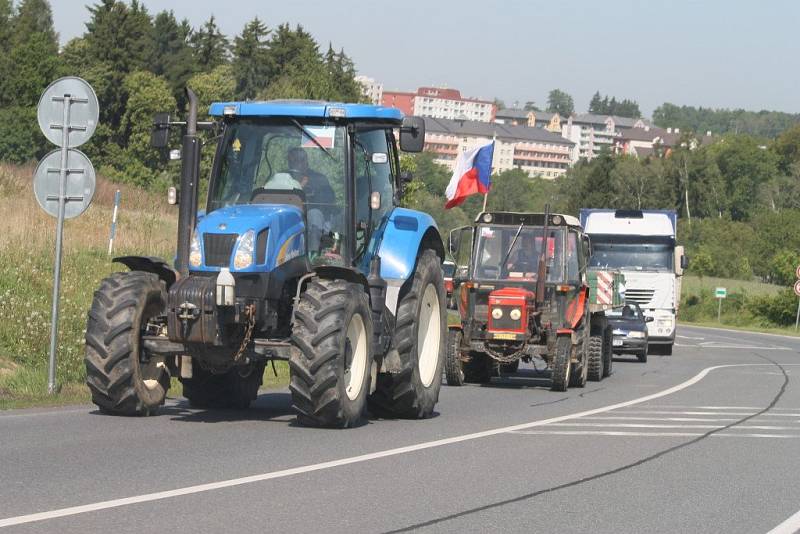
x=448 y=270
x=629 y=330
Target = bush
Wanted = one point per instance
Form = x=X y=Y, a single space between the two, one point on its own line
x=779 y=309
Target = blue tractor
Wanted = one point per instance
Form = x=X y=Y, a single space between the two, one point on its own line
x=301 y=254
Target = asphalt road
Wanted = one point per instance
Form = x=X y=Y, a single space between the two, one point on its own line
x=706 y=440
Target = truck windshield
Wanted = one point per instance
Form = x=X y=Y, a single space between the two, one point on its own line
x=495 y=241
x=269 y=162
x=632 y=256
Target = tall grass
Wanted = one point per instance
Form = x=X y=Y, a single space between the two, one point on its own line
x=146 y=226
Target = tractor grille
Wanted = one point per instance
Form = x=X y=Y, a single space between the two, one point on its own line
x=639 y=296
x=218 y=248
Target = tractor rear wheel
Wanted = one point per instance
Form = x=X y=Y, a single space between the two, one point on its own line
x=330 y=373
x=561 y=364
x=580 y=369
x=420 y=339
x=122 y=377
x=596 y=358
x=453 y=365
x=235 y=388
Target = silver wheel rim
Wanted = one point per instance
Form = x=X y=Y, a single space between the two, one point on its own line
x=357 y=343
x=428 y=335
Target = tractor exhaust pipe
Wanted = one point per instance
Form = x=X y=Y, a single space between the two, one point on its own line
x=541 y=271
x=190 y=173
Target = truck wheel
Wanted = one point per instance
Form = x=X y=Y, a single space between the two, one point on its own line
x=561 y=364
x=122 y=377
x=509 y=368
x=596 y=359
x=420 y=339
x=608 y=351
x=478 y=370
x=330 y=373
x=453 y=365
x=236 y=388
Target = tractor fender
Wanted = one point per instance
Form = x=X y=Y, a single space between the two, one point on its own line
x=334 y=272
x=404 y=236
x=149 y=264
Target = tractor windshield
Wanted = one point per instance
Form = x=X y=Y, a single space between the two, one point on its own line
x=494 y=243
x=268 y=162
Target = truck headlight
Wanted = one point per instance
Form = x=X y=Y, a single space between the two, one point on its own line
x=636 y=333
x=245 y=250
x=497 y=313
x=195 y=257
x=515 y=314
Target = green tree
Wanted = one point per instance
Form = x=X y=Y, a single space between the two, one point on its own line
x=209 y=45
x=530 y=105
x=787 y=148
x=172 y=57
x=596 y=104
x=252 y=63
x=702 y=264
x=783 y=266
x=560 y=102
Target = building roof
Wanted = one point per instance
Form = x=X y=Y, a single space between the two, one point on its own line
x=488 y=129
x=304 y=108
x=447 y=94
x=512 y=113
x=593 y=118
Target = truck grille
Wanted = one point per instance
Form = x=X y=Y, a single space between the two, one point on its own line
x=639 y=296
x=218 y=248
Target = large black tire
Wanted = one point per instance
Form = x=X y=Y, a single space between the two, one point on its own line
x=608 y=351
x=330 y=374
x=666 y=350
x=235 y=388
x=580 y=369
x=642 y=356
x=478 y=370
x=561 y=364
x=596 y=359
x=453 y=365
x=122 y=378
x=421 y=343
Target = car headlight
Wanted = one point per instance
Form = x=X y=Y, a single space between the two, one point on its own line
x=515 y=314
x=497 y=313
x=195 y=256
x=245 y=250
x=618 y=332
x=636 y=333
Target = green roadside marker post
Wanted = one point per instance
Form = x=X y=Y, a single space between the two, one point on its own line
x=720 y=293
x=797 y=292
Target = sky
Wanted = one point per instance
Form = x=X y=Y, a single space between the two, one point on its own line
x=714 y=53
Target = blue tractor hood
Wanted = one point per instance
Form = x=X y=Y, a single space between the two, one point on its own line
x=279 y=230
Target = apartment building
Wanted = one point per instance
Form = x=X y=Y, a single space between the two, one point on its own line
x=536 y=151
x=371 y=89
x=533 y=119
x=593 y=133
x=440 y=103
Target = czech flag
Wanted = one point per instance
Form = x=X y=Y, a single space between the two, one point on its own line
x=471 y=175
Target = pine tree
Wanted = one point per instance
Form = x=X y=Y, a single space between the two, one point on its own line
x=596 y=103
x=34 y=16
x=210 y=46
x=172 y=57
x=252 y=63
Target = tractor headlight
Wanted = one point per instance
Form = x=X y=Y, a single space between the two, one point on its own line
x=245 y=250
x=515 y=314
x=195 y=256
x=497 y=313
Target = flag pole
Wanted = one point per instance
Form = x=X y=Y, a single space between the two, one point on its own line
x=486 y=194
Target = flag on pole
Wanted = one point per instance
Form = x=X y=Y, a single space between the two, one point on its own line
x=471 y=175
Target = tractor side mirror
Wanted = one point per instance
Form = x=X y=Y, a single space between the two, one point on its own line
x=412 y=134
x=159 y=136
x=453 y=241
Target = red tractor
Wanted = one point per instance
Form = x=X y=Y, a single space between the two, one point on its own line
x=523 y=291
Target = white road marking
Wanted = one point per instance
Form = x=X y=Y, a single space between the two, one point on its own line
x=680 y=419
x=664 y=412
x=722 y=345
x=36 y=414
x=211 y=486
x=690 y=337
x=756 y=408
x=647 y=434
x=790 y=526
x=746 y=332
x=643 y=425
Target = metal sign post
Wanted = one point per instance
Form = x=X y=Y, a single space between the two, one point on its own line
x=720 y=293
x=75 y=103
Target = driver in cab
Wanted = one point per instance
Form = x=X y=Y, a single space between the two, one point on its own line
x=525 y=258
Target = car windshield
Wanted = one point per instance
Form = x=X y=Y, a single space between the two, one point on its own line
x=268 y=162
x=632 y=256
x=625 y=312
x=497 y=244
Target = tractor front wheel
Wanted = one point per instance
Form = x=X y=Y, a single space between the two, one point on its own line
x=453 y=365
x=420 y=339
x=561 y=364
x=330 y=373
x=122 y=377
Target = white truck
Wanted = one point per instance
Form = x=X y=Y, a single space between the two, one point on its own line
x=642 y=245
